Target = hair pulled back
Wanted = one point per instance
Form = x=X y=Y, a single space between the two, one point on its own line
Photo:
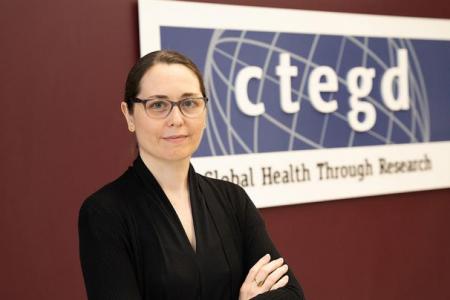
x=145 y=63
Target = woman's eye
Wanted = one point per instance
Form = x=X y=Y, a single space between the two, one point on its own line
x=189 y=103
x=157 y=105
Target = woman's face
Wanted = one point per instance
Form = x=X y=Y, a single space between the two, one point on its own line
x=175 y=137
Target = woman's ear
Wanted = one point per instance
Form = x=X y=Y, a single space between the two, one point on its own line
x=128 y=117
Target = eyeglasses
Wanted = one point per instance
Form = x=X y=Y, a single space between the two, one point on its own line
x=191 y=107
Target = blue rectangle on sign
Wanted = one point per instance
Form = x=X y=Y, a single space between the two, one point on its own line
x=247 y=72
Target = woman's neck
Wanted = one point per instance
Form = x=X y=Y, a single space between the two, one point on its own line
x=171 y=175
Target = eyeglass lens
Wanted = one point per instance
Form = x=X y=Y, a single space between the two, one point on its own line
x=161 y=108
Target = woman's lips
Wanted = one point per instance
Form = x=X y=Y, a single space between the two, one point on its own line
x=175 y=138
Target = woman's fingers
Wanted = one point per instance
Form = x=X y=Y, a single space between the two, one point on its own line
x=256 y=267
x=265 y=275
x=267 y=269
x=274 y=277
x=280 y=283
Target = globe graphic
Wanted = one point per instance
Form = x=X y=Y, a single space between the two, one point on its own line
x=230 y=131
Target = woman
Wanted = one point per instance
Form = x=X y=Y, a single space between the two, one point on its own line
x=162 y=231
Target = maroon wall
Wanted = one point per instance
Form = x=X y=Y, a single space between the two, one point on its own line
x=63 y=64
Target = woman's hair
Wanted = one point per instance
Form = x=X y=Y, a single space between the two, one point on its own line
x=132 y=86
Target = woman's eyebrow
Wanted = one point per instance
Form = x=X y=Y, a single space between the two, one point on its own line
x=184 y=95
x=158 y=97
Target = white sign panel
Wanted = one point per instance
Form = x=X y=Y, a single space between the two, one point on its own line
x=310 y=106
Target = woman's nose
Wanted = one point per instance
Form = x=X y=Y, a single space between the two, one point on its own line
x=175 y=117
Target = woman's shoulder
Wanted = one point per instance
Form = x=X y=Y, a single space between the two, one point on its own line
x=110 y=197
x=220 y=185
x=233 y=200
x=224 y=191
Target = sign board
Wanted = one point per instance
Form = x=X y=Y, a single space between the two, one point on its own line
x=310 y=106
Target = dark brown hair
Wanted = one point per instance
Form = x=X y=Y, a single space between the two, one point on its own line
x=132 y=86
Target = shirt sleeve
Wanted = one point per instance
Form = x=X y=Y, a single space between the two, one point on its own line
x=257 y=243
x=105 y=257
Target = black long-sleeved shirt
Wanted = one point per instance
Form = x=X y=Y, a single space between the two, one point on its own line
x=133 y=245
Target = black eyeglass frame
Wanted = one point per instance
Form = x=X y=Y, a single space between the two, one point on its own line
x=172 y=103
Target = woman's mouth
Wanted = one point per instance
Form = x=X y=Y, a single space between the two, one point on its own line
x=175 y=138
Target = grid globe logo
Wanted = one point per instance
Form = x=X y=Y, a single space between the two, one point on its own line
x=231 y=131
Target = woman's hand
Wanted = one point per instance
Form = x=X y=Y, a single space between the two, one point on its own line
x=264 y=276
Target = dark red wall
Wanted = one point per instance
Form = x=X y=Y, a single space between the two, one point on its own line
x=63 y=65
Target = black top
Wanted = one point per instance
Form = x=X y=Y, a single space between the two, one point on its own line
x=133 y=245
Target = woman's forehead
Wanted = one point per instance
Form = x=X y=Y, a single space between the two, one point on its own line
x=171 y=70
x=169 y=79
